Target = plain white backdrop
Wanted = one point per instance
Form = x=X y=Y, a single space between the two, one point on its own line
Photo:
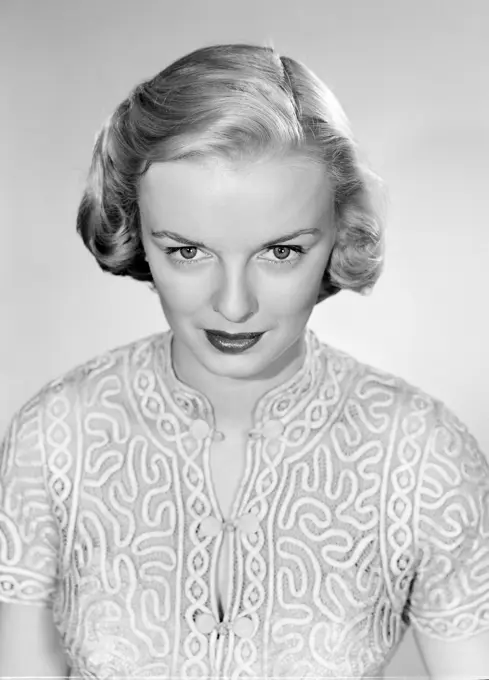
x=413 y=79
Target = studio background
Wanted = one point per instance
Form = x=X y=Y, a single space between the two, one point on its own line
x=413 y=79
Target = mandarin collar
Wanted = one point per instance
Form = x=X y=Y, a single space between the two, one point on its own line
x=276 y=403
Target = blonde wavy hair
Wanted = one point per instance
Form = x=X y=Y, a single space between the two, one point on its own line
x=235 y=103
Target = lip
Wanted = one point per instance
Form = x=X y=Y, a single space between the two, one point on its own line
x=234 y=344
x=233 y=336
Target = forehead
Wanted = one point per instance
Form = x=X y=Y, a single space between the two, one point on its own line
x=280 y=192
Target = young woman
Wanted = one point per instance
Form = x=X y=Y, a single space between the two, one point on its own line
x=234 y=497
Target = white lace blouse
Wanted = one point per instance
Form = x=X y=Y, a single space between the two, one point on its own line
x=363 y=509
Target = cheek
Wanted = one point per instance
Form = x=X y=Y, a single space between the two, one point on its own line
x=304 y=283
x=177 y=291
x=298 y=299
x=294 y=293
x=303 y=295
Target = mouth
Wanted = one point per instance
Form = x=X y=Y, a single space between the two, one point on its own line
x=233 y=336
x=232 y=343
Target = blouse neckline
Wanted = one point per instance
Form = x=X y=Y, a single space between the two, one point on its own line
x=273 y=404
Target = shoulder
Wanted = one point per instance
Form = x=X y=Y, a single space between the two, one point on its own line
x=423 y=431
x=47 y=414
x=116 y=365
x=374 y=387
x=454 y=478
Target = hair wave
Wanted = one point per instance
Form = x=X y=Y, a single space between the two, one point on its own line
x=237 y=103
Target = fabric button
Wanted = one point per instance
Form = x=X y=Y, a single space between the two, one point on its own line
x=272 y=429
x=248 y=524
x=199 y=429
x=211 y=526
x=243 y=627
x=205 y=623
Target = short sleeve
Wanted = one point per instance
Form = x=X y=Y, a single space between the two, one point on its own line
x=28 y=531
x=450 y=594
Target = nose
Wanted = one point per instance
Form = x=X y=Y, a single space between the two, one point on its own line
x=234 y=297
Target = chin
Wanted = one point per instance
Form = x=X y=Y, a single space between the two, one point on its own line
x=253 y=356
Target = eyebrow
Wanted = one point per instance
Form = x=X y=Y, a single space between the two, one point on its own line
x=285 y=237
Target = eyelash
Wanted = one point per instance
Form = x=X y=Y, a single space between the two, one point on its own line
x=297 y=249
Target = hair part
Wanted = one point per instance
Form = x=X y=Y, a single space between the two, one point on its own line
x=236 y=103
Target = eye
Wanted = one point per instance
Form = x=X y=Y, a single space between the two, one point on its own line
x=279 y=252
x=184 y=249
x=299 y=250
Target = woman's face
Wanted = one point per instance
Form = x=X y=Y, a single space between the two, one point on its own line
x=235 y=267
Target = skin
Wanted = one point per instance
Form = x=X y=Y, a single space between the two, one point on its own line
x=236 y=284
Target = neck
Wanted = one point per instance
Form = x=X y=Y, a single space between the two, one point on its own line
x=232 y=399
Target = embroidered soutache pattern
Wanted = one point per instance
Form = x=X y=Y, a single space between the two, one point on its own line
x=363 y=509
